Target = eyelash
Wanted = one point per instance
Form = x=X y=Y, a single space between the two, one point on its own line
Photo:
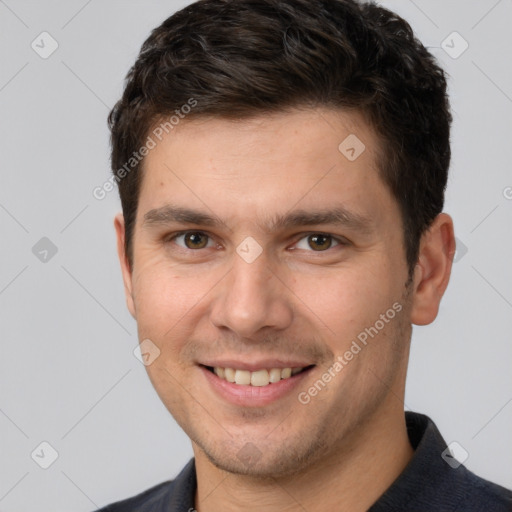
x=339 y=241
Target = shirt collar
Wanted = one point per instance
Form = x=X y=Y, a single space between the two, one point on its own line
x=425 y=475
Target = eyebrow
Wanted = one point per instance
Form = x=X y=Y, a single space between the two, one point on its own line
x=338 y=216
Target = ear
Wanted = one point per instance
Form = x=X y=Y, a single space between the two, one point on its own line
x=123 y=260
x=432 y=272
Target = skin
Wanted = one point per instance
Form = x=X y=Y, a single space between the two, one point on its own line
x=346 y=446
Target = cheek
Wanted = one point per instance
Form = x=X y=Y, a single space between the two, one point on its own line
x=161 y=298
x=344 y=302
x=342 y=298
x=171 y=303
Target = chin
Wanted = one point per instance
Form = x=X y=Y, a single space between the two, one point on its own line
x=264 y=459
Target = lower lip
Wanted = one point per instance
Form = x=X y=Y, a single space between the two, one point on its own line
x=253 y=396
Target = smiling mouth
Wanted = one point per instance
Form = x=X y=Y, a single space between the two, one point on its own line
x=259 y=378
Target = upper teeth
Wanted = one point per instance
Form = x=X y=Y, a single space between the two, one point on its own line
x=258 y=378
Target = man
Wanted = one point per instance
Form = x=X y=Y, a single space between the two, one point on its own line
x=282 y=167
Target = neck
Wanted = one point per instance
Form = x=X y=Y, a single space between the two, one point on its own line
x=351 y=478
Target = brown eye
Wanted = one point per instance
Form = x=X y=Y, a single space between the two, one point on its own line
x=319 y=242
x=195 y=240
x=188 y=242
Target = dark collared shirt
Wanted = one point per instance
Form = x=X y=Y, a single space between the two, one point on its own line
x=430 y=483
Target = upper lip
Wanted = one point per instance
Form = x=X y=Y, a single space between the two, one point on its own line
x=256 y=365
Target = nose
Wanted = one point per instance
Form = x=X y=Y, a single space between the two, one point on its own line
x=252 y=298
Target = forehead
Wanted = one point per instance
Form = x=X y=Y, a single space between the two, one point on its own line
x=283 y=136
x=267 y=165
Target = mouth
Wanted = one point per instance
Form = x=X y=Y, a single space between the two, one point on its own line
x=254 y=385
x=259 y=378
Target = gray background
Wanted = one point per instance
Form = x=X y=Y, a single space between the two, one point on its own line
x=68 y=375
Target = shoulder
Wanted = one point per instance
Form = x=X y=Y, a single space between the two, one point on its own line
x=151 y=500
x=168 y=496
x=481 y=495
x=457 y=488
x=148 y=501
x=435 y=480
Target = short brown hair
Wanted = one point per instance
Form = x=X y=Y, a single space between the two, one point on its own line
x=241 y=58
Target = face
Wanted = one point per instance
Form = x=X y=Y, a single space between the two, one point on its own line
x=263 y=248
